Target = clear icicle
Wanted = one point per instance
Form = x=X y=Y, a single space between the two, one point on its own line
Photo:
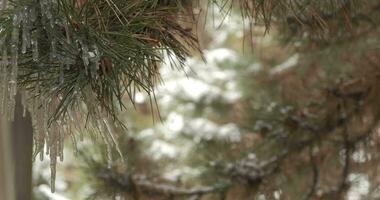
x=59 y=140
x=39 y=137
x=67 y=31
x=107 y=142
x=46 y=9
x=34 y=44
x=96 y=60
x=74 y=141
x=53 y=165
x=24 y=103
x=4 y=80
x=42 y=154
x=53 y=148
x=109 y=155
x=38 y=113
x=85 y=55
x=24 y=40
x=61 y=144
x=53 y=52
x=32 y=15
x=14 y=65
x=61 y=74
x=26 y=25
x=110 y=133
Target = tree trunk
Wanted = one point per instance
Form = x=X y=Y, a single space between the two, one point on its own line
x=16 y=156
x=6 y=164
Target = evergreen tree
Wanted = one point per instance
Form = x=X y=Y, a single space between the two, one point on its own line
x=73 y=61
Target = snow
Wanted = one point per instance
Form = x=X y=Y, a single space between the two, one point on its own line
x=360 y=156
x=204 y=129
x=162 y=149
x=360 y=187
x=139 y=98
x=220 y=55
x=177 y=174
x=190 y=89
x=229 y=132
x=52 y=196
x=175 y=122
x=255 y=67
x=201 y=129
x=289 y=63
x=146 y=133
x=200 y=81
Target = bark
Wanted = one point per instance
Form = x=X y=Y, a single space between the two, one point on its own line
x=6 y=164
x=16 y=145
x=22 y=149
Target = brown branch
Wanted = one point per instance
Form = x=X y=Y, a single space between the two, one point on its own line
x=173 y=190
x=135 y=183
x=315 y=174
x=348 y=149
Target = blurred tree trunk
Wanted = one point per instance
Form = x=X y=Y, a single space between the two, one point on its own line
x=6 y=164
x=16 y=147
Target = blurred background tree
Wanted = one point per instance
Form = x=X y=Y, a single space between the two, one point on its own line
x=282 y=104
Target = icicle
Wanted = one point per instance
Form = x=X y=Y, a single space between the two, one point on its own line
x=95 y=59
x=53 y=165
x=110 y=133
x=42 y=126
x=23 y=103
x=34 y=43
x=38 y=136
x=46 y=9
x=67 y=31
x=85 y=55
x=26 y=25
x=42 y=154
x=74 y=141
x=53 y=52
x=81 y=136
x=61 y=74
x=59 y=139
x=4 y=80
x=14 y=65
x=34 y=126
x=107 y=142
x=61 y=144
x=45 y=118
x=32 y=15
x=53 y=140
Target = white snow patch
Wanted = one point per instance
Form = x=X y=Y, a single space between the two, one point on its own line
x=360 y=156
x=52 y=196
x=359 y=186
x=204 y=129
x=291 y=62
x=229 y=132
x=139 y=98
x=160 y=149
x=173 y=125
x=179 y=173
x=220 y=55
x=146 y=133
